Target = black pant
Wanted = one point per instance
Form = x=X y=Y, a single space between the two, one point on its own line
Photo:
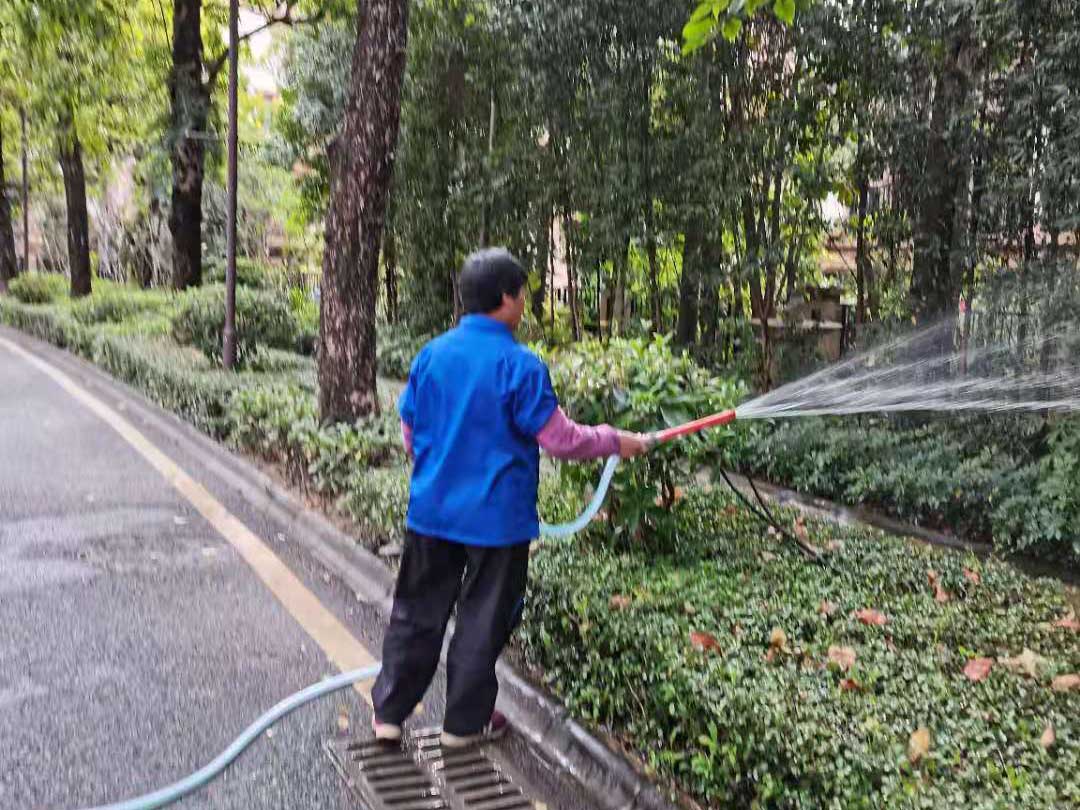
x=488 y=585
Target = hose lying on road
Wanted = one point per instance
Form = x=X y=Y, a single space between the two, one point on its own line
x=177 y=790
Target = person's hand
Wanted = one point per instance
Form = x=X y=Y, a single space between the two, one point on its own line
x=632 y=444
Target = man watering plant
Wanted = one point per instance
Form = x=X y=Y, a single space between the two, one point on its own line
x=476 y=411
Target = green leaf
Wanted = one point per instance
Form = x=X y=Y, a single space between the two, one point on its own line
x=695 y=32
x=731 y=29
x=785 y=10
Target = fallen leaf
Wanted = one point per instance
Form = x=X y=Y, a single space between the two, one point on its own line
x=872 y=617
x=843 y=657
x=1068 y=622
x=1048 y=737
x=704 y=641
x=619 y=602
x=849 y=685
x=801 y=532
x=978 y=668
x=1027 y=663
x=834 y=545
x=688 y=609
x=770 y=656
x=972 y=576
x=940 y=594
x=679 y=494
x=777 y=639
x=827 y=608
x=918 y=744
x=771 y=531
x=731 y=510
x=767 y=556
x=1065 y=683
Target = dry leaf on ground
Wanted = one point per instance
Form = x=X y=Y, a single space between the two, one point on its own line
x=1065 y=683
x=619 y=602
x=1027 y=663
x=704 y=641
x=978 y=668
x=872 y=617
x=918 y=744
x=1068 y=622
x=843 y=657
x=1048 y=737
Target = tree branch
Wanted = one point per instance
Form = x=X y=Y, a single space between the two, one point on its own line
x=283 y=17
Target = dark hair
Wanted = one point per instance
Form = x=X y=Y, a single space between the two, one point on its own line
x=487 y=276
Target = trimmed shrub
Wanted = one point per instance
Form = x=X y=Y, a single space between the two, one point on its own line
x=249 y=273
x=641 y=386
x=262 y=319
x=117 y=306
x=395 y=350
x=39 y=288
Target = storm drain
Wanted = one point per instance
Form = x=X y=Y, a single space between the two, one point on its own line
x=422 y=776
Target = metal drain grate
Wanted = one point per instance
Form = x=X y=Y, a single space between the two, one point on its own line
x=422 y=776
x=384 y=777
x=469 y=779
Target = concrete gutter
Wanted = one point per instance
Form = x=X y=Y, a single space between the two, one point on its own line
x=606 y=777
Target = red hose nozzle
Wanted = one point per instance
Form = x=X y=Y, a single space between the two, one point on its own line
x=696 y=426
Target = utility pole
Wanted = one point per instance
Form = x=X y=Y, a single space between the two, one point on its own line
x=228 y=349
x=25 y=197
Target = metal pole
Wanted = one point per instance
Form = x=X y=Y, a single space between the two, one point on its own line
x=25 y=198
x=228 y=349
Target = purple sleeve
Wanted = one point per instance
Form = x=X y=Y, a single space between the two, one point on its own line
x=565 y=439
x=406 y=437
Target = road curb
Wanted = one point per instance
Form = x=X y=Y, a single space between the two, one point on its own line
x=608 y=778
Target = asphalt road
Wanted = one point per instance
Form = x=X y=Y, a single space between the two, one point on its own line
x=135 y=642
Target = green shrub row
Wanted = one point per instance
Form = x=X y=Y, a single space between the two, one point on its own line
x=38 y=288
x=1008 y=480
x=713 y=664
x=262 y=320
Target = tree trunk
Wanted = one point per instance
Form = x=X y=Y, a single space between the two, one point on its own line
x=8 y=265
x=539 y=295
x=862 y=269
x=362 y=158
x=934 y=289
x=190 y=100
x=572 y=280
x=390 y=268
x=78 y=222
x=690 y=284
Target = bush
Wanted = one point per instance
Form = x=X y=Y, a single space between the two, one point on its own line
x=741 y=717
x=249 y=273
x=117 y=306
x=49 y=324
x=180 y=380
x=38 y=288
x=1041 y=511
x=990 y=479
x=262 y=319
x=395 y=350
x=641 y=386
x=360 y=467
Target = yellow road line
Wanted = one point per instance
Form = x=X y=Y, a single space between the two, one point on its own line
x=331 y=635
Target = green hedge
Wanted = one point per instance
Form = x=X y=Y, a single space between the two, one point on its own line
x=263 y=319
x=249 y=273
x=641 y=386
x=739 y=726
x=1006 y=480
x=359 y=466
x=38 y=288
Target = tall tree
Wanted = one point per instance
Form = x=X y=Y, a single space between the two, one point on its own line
x=8 y=265
x=362 y=161
x=192 y=83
